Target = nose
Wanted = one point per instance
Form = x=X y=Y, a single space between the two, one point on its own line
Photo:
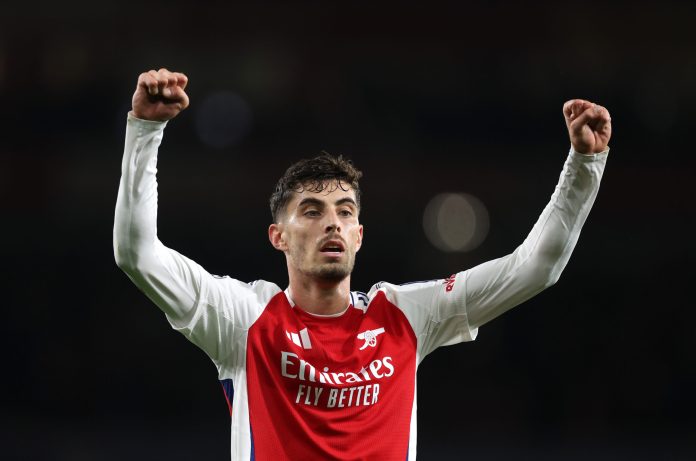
x=333 y=224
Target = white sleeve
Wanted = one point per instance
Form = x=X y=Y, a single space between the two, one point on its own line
x=210 y=311
x=449 y=311
x=496 y=286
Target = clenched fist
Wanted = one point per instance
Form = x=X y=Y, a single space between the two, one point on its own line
x=589 y=126
x=160 y=95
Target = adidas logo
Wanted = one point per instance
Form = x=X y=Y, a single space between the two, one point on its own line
x=301 y=339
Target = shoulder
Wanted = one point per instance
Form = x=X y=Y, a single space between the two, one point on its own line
x=241 y=302
x=406 y=288
x=407 y=294
x=237 y=290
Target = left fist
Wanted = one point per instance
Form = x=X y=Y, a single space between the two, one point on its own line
x=589 y=126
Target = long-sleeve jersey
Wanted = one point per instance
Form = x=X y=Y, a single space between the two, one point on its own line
x=343 y=387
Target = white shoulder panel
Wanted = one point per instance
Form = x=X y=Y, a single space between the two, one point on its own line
x=436 y=310
x=226 y=310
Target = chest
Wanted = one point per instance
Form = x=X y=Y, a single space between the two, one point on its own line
x=347 y=344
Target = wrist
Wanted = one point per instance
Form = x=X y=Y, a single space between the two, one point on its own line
x=133 y=117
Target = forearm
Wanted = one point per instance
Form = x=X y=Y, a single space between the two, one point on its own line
x=135 y=220
x=496 y=286
x=556 y=232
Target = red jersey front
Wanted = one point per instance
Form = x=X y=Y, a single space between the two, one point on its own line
x=310 y=387
x=343 y=389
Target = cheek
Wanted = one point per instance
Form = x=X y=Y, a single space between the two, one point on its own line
x=297 y=242
x=357 y=239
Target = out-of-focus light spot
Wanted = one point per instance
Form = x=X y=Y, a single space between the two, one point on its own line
x=222 y=119
x=455 y=222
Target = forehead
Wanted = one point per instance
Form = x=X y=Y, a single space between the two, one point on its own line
x=328 y=191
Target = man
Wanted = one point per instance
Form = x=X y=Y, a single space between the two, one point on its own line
x=317 y=371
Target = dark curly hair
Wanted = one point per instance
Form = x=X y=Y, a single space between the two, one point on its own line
x=315 y=175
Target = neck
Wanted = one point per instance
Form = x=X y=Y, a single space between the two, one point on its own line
x=318 y=296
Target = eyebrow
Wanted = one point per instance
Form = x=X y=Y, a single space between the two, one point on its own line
x=346 y=200
x=317 y=202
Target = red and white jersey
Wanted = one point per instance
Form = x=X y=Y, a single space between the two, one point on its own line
x=343 y=387
x=304 y=386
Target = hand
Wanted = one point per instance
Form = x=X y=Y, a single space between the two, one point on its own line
x=589 y=126
x=160 y=95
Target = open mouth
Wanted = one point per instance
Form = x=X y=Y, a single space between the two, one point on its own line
x=332 y=247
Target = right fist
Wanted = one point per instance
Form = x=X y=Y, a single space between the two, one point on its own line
x=160 y=95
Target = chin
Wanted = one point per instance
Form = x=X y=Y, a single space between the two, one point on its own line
x=333 y=272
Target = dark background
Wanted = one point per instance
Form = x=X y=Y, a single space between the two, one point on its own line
x=425 y=98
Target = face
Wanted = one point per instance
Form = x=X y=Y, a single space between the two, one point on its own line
x=319 y=233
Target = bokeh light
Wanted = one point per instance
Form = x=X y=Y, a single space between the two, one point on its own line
x=455 y=222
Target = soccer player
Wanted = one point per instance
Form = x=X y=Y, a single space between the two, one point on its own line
x=317 y=371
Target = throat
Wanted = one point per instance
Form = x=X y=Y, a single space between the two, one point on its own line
x=320 y=300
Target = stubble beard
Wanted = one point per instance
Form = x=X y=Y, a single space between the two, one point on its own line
x=332 y=272
x=329 y=271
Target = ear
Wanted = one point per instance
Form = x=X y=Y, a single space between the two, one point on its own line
x=275 y=235
x=360 y=238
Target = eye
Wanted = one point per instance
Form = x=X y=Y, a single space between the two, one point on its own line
x=346 y=213
x=312 y=213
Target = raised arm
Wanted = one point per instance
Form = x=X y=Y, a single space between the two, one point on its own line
x=496 y=286
x=210 y=311
x=159 y=272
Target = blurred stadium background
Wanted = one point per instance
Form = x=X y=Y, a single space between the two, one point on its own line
x=427 y=99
